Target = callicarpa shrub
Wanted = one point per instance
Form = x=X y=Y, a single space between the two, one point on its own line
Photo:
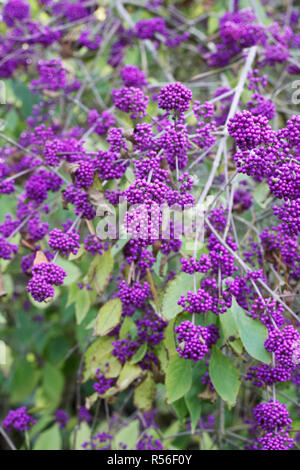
x=150 y=218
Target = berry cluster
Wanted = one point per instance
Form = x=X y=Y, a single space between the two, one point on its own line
x=175 y=97
x=102 y=384
x=18 y=419
x=195 y=341
x=273 y=418
x=44 y=276
x=192 y=266
x=65 y=243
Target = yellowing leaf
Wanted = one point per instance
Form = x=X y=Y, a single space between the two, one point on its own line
x=95 y=355
x=108 y=317
x=82 y=305
x=144 y=393
x=128 y=374
x=100 y=270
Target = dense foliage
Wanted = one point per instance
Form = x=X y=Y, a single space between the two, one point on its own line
x=150 y=214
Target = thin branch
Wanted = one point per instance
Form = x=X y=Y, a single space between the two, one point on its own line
x=7 y=438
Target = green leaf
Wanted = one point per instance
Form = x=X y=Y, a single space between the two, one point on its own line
x=97 y=183
x=261 y=194
x=11 y=121
x=27 y=98
x=73 y=272
x=42 y=422
x=49 y=440
x=207 y=442
x=139 y=354
x=252 y=333
x=174 y=428
x=144 y=393
x=57 y=348
x=161 y=354
x=169 y=339
x=72 y=294
x=129 y=175
x=188 y=247
x=178 y=378
x=177 y=287
x=82 y=305
x=8 y=284
x=231 y=331
x=156 y=266
x=23 y=381
x=119 y=245
x=228 y=324
x=180 y=408
x=127 y=326
x=82 y=435
x=193 y=404
x=53 y=385
x=95 y=355
x=224 y=376
x=79 y=253
x=212 y=25
x=100 y=271
x=109 y=317
x=128 y=435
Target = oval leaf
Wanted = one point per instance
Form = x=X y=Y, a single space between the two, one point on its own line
x=128 y=435
x=49 y=440
x=231 y=331
x=252 y=333
x=178 y=378
x=100 y=270
x=82 y=305
x=98 y=352
x=128 y=374
x=109 y=317
x=177 y=287
x=144 y=393
x=139 y=355
x=224 y=376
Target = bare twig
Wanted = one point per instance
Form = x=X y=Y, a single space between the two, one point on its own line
x=7 y=438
